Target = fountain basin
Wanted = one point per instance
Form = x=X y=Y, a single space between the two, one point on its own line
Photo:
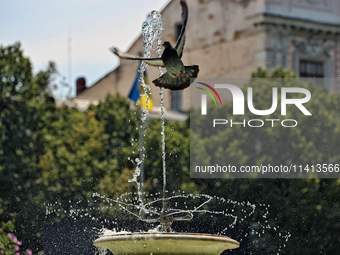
x=165 y=243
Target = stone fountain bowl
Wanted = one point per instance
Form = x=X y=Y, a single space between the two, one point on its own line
x=166 y=243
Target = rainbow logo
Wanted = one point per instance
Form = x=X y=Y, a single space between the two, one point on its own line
x=209 y=93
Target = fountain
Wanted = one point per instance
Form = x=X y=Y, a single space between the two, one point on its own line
x=161 y=240
x=166 y=243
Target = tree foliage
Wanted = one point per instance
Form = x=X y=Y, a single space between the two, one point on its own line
x=305 y=208
x=53 y=161
x=25 y=106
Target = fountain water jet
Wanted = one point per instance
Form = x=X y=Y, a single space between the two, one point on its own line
x=164 y=241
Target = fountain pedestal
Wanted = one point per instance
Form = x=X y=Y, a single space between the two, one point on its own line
x=166 y=243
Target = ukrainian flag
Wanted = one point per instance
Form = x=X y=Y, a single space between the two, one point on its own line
x=137 y=89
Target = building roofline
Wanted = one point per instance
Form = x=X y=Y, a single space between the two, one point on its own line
x=97 y=82
x=129 y=48
x=266 y=17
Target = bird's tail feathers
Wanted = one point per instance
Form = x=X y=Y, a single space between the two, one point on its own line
x=179 y=83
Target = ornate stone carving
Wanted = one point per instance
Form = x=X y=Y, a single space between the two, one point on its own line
x=313 y=49
x=314 y=1
x=325 y=5
x=243 y=2
x=277 y=47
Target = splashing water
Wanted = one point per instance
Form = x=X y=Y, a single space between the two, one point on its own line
x=135 y=175
x=152 y=33
x=228 y=213
x=182 y=204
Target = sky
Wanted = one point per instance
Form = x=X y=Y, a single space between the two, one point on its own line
x=47 y=28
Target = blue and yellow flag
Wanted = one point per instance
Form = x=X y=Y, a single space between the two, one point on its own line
x=134 y=93
x=136 y=90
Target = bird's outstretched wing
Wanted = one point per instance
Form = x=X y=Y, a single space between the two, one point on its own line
x=181 y=38
x=149 y=61
x=158 y=61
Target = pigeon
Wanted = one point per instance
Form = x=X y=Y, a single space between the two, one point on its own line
x=177 y=76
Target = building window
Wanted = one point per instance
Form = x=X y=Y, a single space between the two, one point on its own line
x=176 y=100
x=311 y=69
x=178 y=28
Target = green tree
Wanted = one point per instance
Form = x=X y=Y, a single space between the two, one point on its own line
x=306 y=208
x=177 y=139
x=120 y=124
x=25 y=106
x=55 y=159
x=8 y=241
x=73 y=161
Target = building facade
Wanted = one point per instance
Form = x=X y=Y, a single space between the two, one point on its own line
x=232 y=38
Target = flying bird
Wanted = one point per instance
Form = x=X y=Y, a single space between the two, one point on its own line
x=177 y=76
